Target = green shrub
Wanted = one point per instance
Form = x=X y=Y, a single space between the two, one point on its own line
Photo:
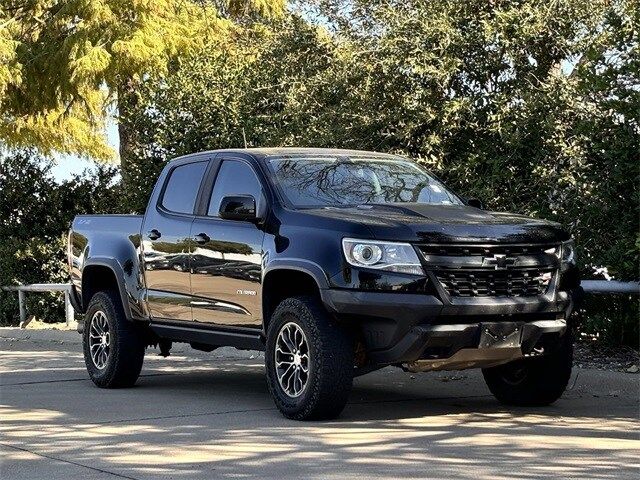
x=35 y=215
x=32 y=260
x=612 y=319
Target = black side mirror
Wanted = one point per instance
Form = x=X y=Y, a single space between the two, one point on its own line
x=238 y=207
x=474 y=202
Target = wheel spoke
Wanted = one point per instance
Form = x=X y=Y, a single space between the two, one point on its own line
x=297 y=382
x=284 y=356
x=96 y=356
x=285 y=379
x=291 y=380
x=281 y=377
x=282 y=352
x=304 y=363
x=286 y=338
x=283 y=346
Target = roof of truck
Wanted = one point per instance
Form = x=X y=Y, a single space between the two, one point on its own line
x=281 y=151
x=284 y=151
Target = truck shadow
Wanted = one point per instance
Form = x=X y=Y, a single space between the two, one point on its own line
x=209 y=417
x=396 y=395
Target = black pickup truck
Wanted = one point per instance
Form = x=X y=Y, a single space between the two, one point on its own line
x=335 y=263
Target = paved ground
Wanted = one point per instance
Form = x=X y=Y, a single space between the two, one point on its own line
x=197 y=415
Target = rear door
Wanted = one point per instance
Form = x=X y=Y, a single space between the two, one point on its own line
x=166 y=242
x=226 y=258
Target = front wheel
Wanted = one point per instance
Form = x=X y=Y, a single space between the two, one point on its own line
x=113 y=346
x=533 y=382
x=309 y=361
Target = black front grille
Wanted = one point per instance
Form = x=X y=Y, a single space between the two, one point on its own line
x=485 y=250
x=495 y=283
x=492 y=270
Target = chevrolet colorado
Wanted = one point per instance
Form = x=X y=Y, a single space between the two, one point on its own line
x=335 y=263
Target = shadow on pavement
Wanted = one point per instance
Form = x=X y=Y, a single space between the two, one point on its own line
x=208 y=417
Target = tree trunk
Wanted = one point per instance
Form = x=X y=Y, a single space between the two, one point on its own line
x=128 y=144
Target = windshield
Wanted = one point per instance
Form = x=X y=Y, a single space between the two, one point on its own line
x=338 y=181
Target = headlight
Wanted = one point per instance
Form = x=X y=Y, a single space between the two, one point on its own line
x=390 y=256
x=569 y=252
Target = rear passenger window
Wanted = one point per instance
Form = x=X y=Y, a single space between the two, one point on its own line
x=182 y=187
x=234 y=178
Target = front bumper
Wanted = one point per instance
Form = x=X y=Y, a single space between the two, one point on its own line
x=407 y=328
x=459 y=346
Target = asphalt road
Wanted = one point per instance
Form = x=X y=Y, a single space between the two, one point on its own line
x=196 y=415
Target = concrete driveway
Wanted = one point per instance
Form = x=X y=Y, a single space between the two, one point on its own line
x=196 y=415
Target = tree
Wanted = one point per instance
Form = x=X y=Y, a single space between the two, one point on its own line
x=530 y=106
x=220 y=92
x=65 y=61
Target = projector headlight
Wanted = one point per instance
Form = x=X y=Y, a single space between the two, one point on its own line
x=389 y=256
x=569 y=252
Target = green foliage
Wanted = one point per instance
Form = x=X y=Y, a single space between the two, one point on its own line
x=482 y=93
x=531 y=106
x=612 y=319
x=65 y=61
x=209 y=98
x=35 y=214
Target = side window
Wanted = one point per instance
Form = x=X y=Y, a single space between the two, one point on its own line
x=182 y=187
x=234 y=178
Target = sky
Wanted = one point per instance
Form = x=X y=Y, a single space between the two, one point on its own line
x=67 y=165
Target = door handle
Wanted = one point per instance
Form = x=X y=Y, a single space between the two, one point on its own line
x=154 y=234
x=202 y=238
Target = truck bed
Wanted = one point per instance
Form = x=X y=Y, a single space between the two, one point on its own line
x=105 y=240
x=116 y=223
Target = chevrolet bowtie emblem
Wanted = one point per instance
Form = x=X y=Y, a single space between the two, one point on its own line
x=499 y=261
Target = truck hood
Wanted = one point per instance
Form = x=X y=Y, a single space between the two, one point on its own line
x=419 y=222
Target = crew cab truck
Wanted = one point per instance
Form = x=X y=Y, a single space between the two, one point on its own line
x=335 y=263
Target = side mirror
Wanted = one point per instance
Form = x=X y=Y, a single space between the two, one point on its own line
x=238 y=207
x=474 y=202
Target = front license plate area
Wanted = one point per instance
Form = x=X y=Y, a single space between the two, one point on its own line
x=500 y=335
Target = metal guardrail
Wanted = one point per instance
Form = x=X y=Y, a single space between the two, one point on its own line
x=597 y=287
x=42 y=287
x=610 y=286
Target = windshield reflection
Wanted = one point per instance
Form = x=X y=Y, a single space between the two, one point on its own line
x=334 y=181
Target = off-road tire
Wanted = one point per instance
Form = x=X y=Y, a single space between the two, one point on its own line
x=331 y=361
x=533 y=382
x=127 y=347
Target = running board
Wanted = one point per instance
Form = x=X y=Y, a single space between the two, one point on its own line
x=208 y=336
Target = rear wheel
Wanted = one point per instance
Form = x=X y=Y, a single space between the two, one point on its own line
x=309 y=361
x=533 y=381
x=113 y=346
